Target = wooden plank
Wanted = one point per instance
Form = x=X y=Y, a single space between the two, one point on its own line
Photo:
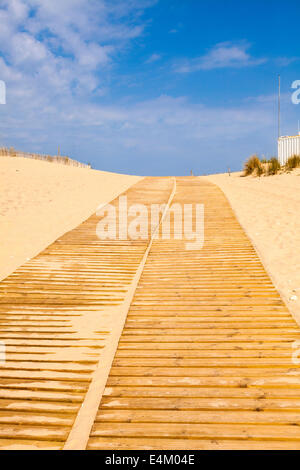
x=203 y=416
x=197 y=431
x=203 y=353
x=137 y=443
x=239 y=370
x=182 y=403
x=199 y=392
x=274 y=380
x=19 y=444
x=51 y=433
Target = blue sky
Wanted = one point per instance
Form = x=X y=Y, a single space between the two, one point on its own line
x=148 y=86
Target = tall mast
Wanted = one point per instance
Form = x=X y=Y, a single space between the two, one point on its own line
x=279 y=104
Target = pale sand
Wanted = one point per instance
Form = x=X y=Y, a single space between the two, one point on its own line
x=40 y=201
x=269 y=210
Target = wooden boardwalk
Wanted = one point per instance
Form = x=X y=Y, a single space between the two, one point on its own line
x=53 y=321
x=205 y=357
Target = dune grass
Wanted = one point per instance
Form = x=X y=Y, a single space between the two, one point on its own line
x=273 y=166
x=293 y=162
x=253 y=166
x=256 y=167
x=11 y=152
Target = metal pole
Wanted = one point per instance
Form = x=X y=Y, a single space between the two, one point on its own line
x=279 y=107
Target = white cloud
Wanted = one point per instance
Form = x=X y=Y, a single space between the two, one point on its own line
x=171 y=119
x=153 y=58
x=158 y=136
x=18 y=9
x=286 y=61
x=66 y=46
x=25 y=48
x=222 y=55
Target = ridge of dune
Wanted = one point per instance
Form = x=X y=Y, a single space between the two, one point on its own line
x=268 y=209
x=40 y=201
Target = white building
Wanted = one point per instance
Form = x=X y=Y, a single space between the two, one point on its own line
x=287 y=147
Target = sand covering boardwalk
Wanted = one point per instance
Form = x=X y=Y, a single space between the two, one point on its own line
x=56 y=313
x=204 y=360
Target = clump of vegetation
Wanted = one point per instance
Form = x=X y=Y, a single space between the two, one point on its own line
x=293 y=162
x=254 y=166
x=257 y=167
x=260 y=170
x=273 y=166
x=12 y=152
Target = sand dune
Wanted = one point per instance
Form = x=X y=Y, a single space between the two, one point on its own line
x=39 y=201
x=268 y=208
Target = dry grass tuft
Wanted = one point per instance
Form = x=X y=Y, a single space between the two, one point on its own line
x=273 y=166
x=293 y=162
x=254 y=166
x=11 y=152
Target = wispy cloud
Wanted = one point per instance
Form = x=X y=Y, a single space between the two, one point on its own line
x=153 y=58
x=222 y=55
x=176 y=28
x=286 y=61
x=151 y=128
x=66 y=46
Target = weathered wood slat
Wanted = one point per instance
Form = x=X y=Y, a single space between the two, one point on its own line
x=18 y=444
x=137 y=443
x=197 y=431
x=271 y=381
x=199 y=392
x=203 y=416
